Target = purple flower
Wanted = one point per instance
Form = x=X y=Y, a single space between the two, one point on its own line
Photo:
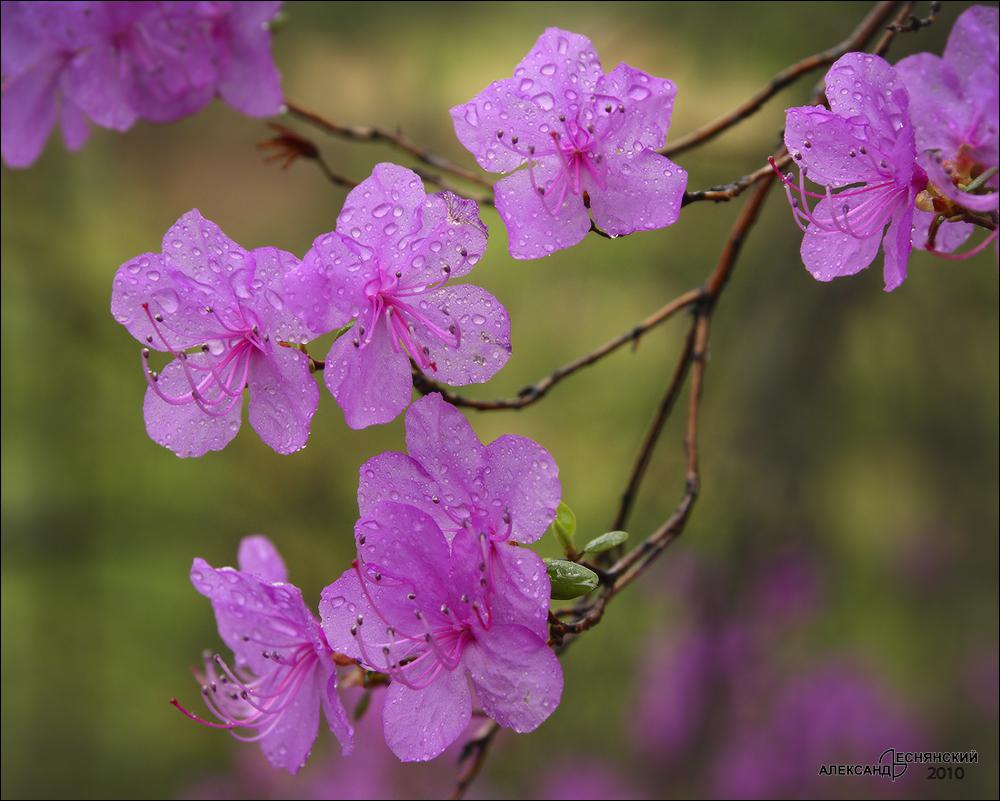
x=423 y=611
x=116 y=62
x=283 y=669
x=865 y=139
x=573 y=138
x=503 y=493
x=204 y=293
x=954 y=108
x=385 y=271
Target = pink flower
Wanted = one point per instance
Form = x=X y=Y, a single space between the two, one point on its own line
x=423 y=611
x=283 y=671
x=503 y=493
x=865 y=139
x=385 y=271
x=954 y=107
x=115 y=62
x=573 y=138
x=219 y=311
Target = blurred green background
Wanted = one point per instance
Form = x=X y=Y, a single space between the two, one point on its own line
x=858 y=428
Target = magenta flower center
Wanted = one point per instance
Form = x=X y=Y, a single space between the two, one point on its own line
x=241 y=701
x=216 y=378
x=398 y=304
x=414 y=638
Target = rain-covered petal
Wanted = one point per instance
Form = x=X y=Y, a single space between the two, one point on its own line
x=540 y=224
x=524 y=591
x=483 y=328
x=938 y=109
x=184 y=428
x=255 y=616
x=383 y=210
x=517 y=678
x=866 y=86
x=522 y=474
x=420 y=724
x=288 y=743
x=327 y=289
x=643 y=191
x=333 y=708
x=500 y=126
x=393 y=476
x=830 y=148
x=896 y=246
x=561 y=68
x=440 y=438
x=835 y=254
x=258 y=556
x=403 y=547
x=339 y=606
x=449 y=243
x=371 y=381
x=197 y=248
x=648 y=102
x=271 y=267
x=283 y=397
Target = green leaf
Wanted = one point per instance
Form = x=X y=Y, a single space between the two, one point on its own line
x=342 y=330
x=564 y=527
x=605 y=542
x=569 y=580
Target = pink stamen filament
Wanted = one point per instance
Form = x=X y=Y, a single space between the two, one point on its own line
x=280 y=688
x=226 y=378
x=968 y=254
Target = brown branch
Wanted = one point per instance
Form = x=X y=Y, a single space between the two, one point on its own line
x=726 y=192
x=371 y=133
x=473 y=755
x=649 y=441
x=862 y=33
x=915 y=23
x=535 y=392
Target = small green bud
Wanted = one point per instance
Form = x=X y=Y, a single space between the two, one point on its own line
x=569 y=580
x=564 y=527
x=605 y=542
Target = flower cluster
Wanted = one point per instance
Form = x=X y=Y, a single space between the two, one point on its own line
x=954 y=104
x=283 y=671
x=442 y=600
x=903 y=154
x=574 y=139
x=233 y=319
x=386 y=272
x=218 y=310
x=113 y=63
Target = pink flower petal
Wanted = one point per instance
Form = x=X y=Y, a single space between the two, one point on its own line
x=518 y=679
x=371 y=382
x=420 y=724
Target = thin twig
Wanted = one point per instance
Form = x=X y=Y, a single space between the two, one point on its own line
x=535 y=392
x=371 y=133
x=864 y=31
x=473 y=755
x=653 y=433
